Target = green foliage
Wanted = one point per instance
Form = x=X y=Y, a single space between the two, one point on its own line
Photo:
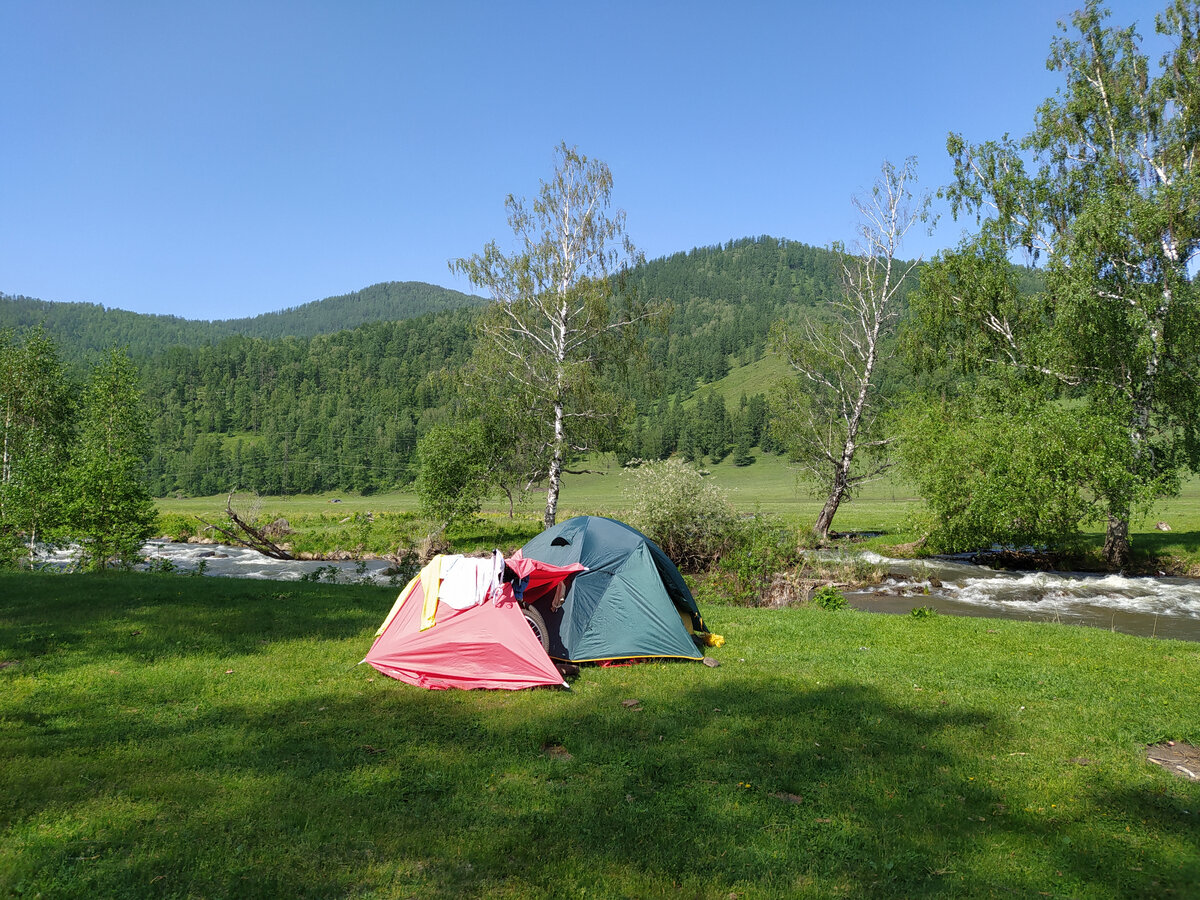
x=176 y=526
x=71 y=473
x=763 y=547
x=335 y=412
x=34 y=430
x=829 y=598
x=160 y=565
x=279 y=409
x=1002 y=468
x=108 y=509
x=516 y=456
x=1105 y=188
x=84 y=331
x=724 y=299
x=689 y=517
x=560 y=310
x=922 y=612
x=321 y=573
x=455 y=472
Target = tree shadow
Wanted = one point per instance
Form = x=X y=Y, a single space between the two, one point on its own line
x=150 y=617
x=724 y=788
x=1171 y=543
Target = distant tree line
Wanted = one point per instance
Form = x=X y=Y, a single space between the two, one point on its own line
x=345 y=411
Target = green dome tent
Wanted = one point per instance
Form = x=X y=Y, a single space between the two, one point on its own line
x=631 y=602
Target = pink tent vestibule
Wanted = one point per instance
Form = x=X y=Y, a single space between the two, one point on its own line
x=458 y=625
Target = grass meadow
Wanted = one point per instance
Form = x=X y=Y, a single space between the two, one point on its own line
x=167 y=736
x=767 y=487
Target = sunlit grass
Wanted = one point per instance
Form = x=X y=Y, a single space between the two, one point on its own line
x=170 y=736
x=769 y=486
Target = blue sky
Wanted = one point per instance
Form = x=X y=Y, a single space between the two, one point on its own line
x=221 y=159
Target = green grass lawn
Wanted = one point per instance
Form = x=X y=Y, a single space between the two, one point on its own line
x=184 y=737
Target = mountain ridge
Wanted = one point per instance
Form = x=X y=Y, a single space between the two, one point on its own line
x=82 y=329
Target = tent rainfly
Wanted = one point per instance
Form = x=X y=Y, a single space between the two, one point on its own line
x=630 y=603
x=458 y=624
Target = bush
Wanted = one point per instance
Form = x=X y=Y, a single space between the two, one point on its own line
x=454 y=474
x=1015 y=471
x=762 y=547
x=829 y=597
x=176 y=526
x=686 y=515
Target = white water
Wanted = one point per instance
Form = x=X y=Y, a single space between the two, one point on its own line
x=239 y=562
x=1161 y=606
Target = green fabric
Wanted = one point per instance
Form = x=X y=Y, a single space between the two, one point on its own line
x=628 y=602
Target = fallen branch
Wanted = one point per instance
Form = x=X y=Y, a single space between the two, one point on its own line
x=246 y=535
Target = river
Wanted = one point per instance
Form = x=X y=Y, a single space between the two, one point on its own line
x=1152 y=607
x=1162 y=607
x=240 y=562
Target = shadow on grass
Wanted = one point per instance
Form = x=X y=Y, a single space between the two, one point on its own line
x=150 y=617
x=1173 y=543
x=302 y=779
x=383 y=790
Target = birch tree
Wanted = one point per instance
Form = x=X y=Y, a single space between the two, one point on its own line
x=108 y=506
x=34 y=424
x=1103 y=193
x=555 y=312
x=828 y=418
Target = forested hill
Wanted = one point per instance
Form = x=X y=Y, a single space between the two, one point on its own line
x=390 y=301
x=344 y=411
x=82 y=329
x=334 y=395
x=724 y=299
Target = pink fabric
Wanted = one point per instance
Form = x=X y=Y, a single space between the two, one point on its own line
x=543 y=577
x=485 y=646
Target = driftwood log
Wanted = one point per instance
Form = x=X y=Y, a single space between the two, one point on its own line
x=246 y=535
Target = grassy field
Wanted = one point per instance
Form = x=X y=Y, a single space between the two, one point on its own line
x=758 y=377
x=163 y=736
x=768 y=486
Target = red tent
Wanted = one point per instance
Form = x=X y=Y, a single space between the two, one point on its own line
x=458 y=624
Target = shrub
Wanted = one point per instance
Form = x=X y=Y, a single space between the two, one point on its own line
x=829 y=597
x=455 y=472
x=686 y=515
x=762 y=547
x=176 y=526
x=1010 y=471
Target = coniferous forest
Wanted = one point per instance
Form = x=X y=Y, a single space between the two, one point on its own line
x=334 y=395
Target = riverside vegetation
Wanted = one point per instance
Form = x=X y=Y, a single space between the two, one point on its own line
x=887 y=512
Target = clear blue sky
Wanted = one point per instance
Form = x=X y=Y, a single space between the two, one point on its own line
x=217 y=159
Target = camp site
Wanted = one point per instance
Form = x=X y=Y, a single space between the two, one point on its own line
x=166 y=740
x=513 y=451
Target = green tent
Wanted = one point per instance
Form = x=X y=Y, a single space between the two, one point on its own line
x=631 y=601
